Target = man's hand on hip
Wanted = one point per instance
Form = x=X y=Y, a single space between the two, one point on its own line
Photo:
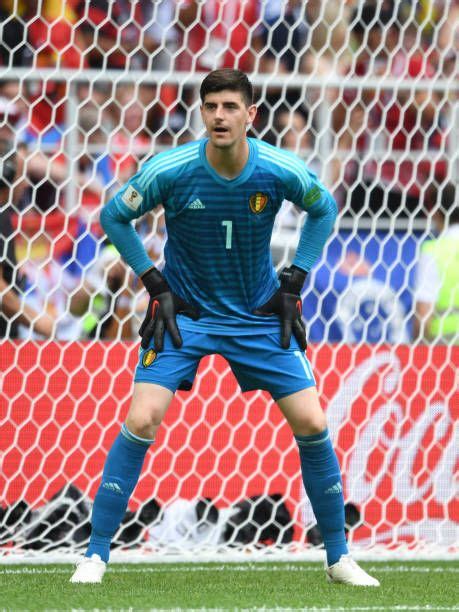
x=163 y=307
x=286 y=304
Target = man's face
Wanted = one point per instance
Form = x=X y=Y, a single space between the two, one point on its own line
x=226 y=117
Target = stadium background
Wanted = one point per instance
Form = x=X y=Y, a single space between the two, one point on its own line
x=366 y=92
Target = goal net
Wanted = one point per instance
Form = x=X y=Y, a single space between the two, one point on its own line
x=367 y=94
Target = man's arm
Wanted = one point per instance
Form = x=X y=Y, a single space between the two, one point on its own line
x=116 y=216
x=316 y=230
x=304 y=190
x=15 y=309
x=140 y=195
x=123 y=236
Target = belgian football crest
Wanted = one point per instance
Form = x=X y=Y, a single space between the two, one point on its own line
x=258 y=202
x=148 y=358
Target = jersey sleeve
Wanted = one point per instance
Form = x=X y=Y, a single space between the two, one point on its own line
x=141 y=194
x=303 y=188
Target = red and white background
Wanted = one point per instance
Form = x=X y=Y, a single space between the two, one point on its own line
x=393 y=412
x=367 y=94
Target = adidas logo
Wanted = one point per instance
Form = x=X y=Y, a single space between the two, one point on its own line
x=112 y=486
x=336 y=488
x=196 y=205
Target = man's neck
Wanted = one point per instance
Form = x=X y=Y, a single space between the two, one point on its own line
x=228 y=162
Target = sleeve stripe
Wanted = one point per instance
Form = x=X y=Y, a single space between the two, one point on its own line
x=296 y=166
x=285 y=161
x=174 y=153
x=166 y=163
x=299 y=170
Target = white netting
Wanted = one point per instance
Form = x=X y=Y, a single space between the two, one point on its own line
x=367 y=94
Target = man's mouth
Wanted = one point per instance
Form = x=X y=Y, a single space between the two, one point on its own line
x=221 y=130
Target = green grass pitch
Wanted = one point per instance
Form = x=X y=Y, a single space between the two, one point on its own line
x=228 y=586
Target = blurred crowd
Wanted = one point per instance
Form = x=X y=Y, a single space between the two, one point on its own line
x=385 y=152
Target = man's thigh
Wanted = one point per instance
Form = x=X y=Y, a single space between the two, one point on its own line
x=259 y=362
x=174 y=368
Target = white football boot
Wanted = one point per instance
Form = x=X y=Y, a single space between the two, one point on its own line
x=89 y=570
x=346 y=571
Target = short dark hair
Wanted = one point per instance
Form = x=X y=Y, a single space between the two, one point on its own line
x=227 y=78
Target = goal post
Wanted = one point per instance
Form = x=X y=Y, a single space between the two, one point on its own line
x=370 y=102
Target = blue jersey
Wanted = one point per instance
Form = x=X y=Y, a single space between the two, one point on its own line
x=219 y=230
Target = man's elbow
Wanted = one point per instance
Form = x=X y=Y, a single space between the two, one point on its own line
x=332 y=207
x=110 y=217
x=325 y=208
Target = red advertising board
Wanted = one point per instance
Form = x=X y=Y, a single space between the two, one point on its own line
x=393 y=412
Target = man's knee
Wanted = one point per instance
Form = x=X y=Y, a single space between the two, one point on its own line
x=304 y=413
x=148 y=407
x=142 y=423
x=311 y=424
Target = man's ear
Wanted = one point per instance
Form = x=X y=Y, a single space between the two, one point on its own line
x=252 y=111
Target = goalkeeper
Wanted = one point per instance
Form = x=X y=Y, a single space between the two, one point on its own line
x=219 y=293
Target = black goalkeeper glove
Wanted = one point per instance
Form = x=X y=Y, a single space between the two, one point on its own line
x=286 y=303
x=162 y=309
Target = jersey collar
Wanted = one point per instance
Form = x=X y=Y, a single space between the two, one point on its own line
x=238 y=180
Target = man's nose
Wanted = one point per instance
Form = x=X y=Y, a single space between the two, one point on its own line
x=219 y=112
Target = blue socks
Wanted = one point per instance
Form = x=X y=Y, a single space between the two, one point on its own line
x=322 y=481
x=321 y=477
x=121 y=473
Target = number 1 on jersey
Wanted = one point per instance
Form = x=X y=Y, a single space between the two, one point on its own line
x=229 y=232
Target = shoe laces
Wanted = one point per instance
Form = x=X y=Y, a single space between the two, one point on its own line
x=95 y=558
x=352 y=563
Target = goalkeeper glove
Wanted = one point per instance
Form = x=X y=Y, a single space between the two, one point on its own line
x=162 y=309
x=286 y=303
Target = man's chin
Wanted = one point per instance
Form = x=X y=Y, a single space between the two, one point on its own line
x=219 y=143
x=222 y=145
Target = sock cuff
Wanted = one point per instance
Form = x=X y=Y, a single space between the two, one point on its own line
x=133 y=438
x=314 y=440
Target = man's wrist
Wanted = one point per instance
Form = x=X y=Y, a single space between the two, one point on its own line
x=154 y=282
x=292 y=279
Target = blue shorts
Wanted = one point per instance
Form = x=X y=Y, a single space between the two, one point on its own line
x=258 y=362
